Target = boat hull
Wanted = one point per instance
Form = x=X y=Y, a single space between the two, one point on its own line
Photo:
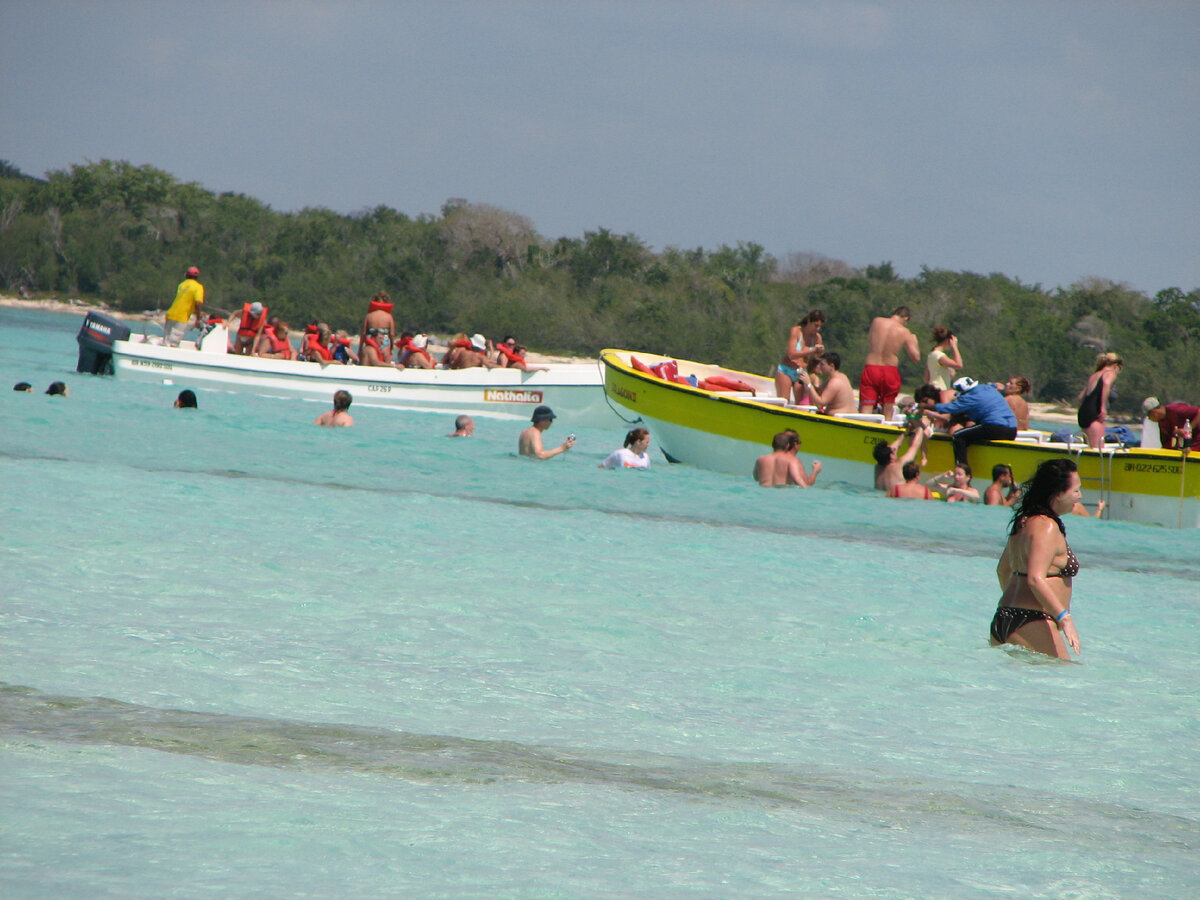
x=574 y=391
x=727 y=432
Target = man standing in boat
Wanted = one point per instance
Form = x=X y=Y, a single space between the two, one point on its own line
x=189 y=300
x=1178 y=423
x=375 y=344
x=880 y=382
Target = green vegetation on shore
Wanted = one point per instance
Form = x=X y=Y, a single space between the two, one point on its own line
x=124 y=234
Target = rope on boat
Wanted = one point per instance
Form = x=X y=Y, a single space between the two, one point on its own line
x=616 y=412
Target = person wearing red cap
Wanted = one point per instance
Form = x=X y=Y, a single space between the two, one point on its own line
x=189 y=300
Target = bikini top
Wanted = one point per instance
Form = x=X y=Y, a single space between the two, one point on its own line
x=1069 y=570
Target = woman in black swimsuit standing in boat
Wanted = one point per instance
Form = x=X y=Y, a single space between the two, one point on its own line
x=1093 y=399
x=1037 y=565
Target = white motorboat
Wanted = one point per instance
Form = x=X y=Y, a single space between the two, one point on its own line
x=574 y=391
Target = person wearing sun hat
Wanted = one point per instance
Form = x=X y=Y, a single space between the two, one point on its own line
x=530 y=441
x=189 y=300
x=981 y=404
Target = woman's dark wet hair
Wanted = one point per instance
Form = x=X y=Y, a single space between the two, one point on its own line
x=814 y=315
x=56 y=387
x=927 y=392
x=1053 y=476
x=636 y=435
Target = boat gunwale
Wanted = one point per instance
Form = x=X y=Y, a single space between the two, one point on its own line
x=265 y=366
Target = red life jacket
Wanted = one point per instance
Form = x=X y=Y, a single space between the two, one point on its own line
x=249 y=325
x=278 y=344
x=666 y=370
x=515 y=358
x=412 y=350
x=721 y=383
x=312 y=343
x=380 y=305
x=373 y=342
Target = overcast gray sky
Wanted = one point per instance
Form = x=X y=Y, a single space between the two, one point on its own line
x=1045 y=140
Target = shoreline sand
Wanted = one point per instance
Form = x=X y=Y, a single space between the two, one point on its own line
x=1045 y=412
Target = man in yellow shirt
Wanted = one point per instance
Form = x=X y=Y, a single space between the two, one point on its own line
x=189 y=299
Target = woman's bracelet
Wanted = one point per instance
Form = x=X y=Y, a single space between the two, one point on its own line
x=1062 y=615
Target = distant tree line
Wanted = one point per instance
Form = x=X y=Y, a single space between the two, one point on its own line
x=124 y=235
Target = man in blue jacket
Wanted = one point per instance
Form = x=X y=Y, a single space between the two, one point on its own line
x=982 y=404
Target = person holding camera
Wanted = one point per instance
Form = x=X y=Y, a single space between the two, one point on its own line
x=530 y=441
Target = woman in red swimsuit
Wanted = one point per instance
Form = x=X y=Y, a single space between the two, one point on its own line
x=1037 y=565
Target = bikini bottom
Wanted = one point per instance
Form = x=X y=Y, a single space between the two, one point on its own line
x=1009 y=618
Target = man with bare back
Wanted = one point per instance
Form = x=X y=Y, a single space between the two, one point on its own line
x=879 y=382
x=781 y=467
x=837 y=396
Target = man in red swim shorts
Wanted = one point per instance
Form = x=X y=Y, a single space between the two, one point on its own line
x=879 y=382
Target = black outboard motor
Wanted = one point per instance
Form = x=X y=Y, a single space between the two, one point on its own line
x=95 y=338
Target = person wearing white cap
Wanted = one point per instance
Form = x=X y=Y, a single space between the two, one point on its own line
x=189 y=299
x=471 y=356
x=1178 y=423
x=982 y=404
x=250 y=327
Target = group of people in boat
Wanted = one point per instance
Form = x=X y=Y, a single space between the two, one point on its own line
x=808 y=374
x=254 y=332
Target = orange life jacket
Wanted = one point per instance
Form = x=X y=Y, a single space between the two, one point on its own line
x=278 y=344
x=380 y=305
x=512 y=357
x=721 y=383
x=312 y=343
x=412 y=349
x=249 y=324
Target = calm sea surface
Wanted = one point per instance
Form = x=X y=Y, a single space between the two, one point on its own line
x=242 y=656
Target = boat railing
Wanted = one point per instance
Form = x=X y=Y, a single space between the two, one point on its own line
x=873 y=418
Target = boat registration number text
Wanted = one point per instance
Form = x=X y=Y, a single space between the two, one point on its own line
x=379 y=388
x=152 y=364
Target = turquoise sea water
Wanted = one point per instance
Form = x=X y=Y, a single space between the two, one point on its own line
x=241 y=656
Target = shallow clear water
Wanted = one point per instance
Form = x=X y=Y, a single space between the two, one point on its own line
x=244 y=656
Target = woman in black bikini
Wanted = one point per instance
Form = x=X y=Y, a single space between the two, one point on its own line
x=1037 y=565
